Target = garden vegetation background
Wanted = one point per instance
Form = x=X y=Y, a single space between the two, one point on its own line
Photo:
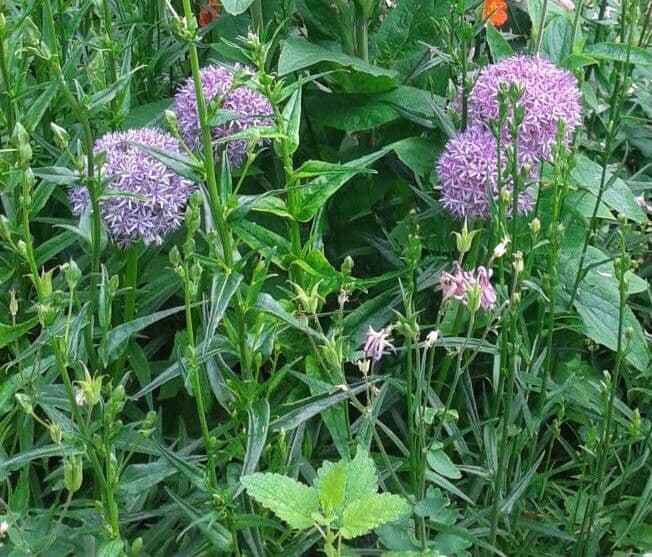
x=341 y=277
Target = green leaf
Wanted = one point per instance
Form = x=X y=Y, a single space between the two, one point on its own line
x=292 y=118
x=99 y=99
x=297 y=54
x=146 y=114
x=268 y=304
x=11 y=333
x=442 y=464
x=361 y=477
x=332 y=481
x=617 y=194
x=236 y=7
x=618 y=53
x=597 y=303
x=115 y=337
x=319 y=190
x=498 y=45
x=181 y=164
x=556 y=39
x=257 y=428
x=367 y=513
x=57 y=175
x=290 y=500
x=417 y=153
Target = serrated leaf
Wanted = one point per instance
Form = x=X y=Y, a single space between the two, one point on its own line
x=332 y=482
x=367 y=513
x=288 y=499
x=361 y=477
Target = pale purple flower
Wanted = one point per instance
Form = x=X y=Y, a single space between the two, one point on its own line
x=549 y=94
x=468 y=174
x=458 y=284
x=156 y=196
x=218 y=84
x=377 y=342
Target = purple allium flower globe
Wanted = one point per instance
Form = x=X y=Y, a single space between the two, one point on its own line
x=217 y=82
x=161 y=193
x=468 y=172
x=549 y=94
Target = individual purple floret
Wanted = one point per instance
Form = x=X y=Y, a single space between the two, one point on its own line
x=549 y=94
x=377 y=342
x=217 y=83
x=157 y=195
x=459 y=283
x=468 y=171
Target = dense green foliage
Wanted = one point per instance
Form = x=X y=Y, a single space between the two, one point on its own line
x=211 y=396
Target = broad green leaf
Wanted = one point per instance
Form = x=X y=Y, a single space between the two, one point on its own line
x=146 y=114
x=365 y=514
x=597 y=303
x=332 y=482
x=268 y=304
x=617 y=194
x=290 y=500
x=498 y=45
x=440 y=462
x=115 y=337
x=618 y=53
x=236 y=7
x=356 y=112
x=361 y=477
x=417 y=153
x=556 y=39
x=319 y=190
x=297 y=54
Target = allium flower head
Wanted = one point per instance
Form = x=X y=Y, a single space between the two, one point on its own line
x=460 y=283
x=377 y=342
x=549 y=94
x=156 y=194
x=217 y=84
x=468 y=174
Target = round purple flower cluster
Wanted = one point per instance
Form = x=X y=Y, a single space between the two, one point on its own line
x=468 y=174
x=550 y=94
x=155 y=195
x=252 y=108
x=468 y=166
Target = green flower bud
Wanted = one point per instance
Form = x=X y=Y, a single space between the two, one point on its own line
x=73 y=473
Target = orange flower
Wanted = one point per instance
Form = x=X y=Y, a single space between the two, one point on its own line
x=495 y=12
x=209 y=13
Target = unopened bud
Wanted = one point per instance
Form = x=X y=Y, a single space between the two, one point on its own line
x=73 y=473
x=535 y=226
x=61 y=136
x=13 y=303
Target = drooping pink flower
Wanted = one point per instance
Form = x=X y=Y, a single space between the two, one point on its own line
x=460 y=283
x=377 y=342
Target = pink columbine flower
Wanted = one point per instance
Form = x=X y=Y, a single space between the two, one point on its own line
x=459 y=283
x=377 y=342
x=566 y=4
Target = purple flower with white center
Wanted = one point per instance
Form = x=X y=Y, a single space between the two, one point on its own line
x=156 y=195
x=460 y=283
x=218 y=84
x=377 y=342
x=468 y=174
x=549 y=94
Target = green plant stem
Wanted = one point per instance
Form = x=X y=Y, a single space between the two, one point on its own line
x=362 y=38
x=257 y=16
x=576 y=21
x=110 y=46
x=131 y=283
x=196 y=385
x=542 y=25
x=217 y=210
x=10 y=109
